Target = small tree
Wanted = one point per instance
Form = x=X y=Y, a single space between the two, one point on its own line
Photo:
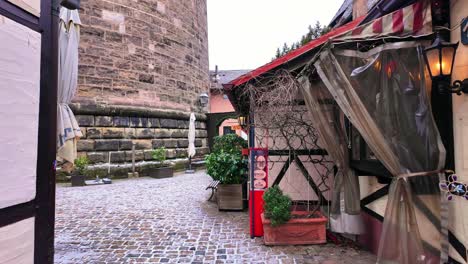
x=277 y=206
x=159 y=155
x=81 y=165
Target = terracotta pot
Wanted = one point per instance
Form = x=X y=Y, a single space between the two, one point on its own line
x=163 y=172
x=297 y=231
x=229 y=197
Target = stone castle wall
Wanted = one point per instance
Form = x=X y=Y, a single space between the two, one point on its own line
x=143 y=53
x=143 y=65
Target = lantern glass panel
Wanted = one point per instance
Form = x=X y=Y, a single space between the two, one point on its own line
x=448 y=54
x=433 y=61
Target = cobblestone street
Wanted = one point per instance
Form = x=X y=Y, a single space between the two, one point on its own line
x=149 y=220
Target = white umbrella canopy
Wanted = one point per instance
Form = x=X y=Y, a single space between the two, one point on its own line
x=68 y=130
x=191 y=136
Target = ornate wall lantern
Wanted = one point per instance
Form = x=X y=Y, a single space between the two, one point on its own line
x=242 y=121
x=203 y=97
x=440 y=57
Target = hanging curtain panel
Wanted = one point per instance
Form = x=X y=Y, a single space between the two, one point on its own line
x=383 y=94
x=327 y=119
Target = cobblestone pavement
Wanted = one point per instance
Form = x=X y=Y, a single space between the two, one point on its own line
x=168 y=220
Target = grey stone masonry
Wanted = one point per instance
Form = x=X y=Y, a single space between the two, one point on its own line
x=117 y=135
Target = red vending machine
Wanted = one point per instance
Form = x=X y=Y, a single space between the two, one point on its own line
x=258 y=184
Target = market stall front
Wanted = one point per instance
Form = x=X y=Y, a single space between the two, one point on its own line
x=374 y=77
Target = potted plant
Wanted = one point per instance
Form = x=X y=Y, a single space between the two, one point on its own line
x=225 y=164
x=283 y=226
x=161 y=170
x=79 y=173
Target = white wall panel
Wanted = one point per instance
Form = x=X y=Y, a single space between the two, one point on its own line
x=19 y=111
x=17 y=243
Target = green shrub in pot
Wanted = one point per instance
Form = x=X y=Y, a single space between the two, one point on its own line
x=277 y=206
x=230 y=143
x=226 y=167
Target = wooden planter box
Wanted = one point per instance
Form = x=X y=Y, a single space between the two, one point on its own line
x=164 y=172
x=229 y=197
x=297 y=231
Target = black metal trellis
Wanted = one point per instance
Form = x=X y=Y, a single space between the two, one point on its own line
x=295 y=140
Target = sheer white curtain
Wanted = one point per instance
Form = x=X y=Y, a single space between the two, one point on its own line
x=327 y=119
x=383 y=94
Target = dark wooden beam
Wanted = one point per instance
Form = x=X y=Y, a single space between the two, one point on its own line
x=370 y=168
x=282 y=172
x=16 y=213
x=309 y=178
x=45 y=182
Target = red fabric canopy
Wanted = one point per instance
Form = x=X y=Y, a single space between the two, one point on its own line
x=294 y=54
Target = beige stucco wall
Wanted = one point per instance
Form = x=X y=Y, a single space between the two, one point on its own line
x=459 y=214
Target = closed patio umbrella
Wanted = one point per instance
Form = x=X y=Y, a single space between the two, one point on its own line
x=191 y=139
x=68 y=131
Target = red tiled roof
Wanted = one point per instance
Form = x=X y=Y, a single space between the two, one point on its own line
x=294 y=54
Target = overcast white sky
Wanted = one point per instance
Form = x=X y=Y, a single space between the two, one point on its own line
x=244 y=34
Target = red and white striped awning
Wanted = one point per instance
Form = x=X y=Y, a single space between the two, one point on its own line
x=414 y=20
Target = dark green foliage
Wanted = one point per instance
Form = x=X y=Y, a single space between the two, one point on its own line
x=230 y=143
x=159 y=154
x=81 y=165
x=277 y=206
x=314 y=32
x=225 y=167
x=225 y=162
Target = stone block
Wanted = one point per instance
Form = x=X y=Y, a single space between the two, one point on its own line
x=198 y=143
x=148 y=154
x=98 y=157
x=158 y=143
x=103 y=121
x=171 y=153
x=170 y=143
x=153 y=122
x=139 y=155
x=143 y=144
x=138 y=122
x=181 y=153
x=117 y=156
x=121 y=121
x=85 y=120
x=113 y=132
x=163 y=133
x=83 y=132
x=94 y=132
x=179 y=133
x=129 y=132
x=182 y=143
x=200 y=125
x=203 y=151
x=183 y=124
x=201 y=133
x=125 y=144
x=109 y=144
x=85 y=145
x=146 y=78
x=144 y=132
x=168 y=123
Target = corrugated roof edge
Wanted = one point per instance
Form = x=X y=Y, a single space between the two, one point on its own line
x=292 y=55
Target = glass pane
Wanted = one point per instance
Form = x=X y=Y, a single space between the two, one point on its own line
x=447 y=60
x=20 y=50
x=433 y=61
